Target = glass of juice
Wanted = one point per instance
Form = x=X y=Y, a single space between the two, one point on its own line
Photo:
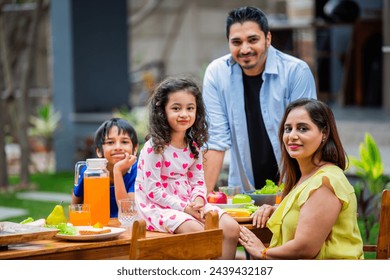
x=279 y=197
x=80 y=214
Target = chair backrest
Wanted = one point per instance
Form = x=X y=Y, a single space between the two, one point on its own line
x=383 y=246
x=206 y=244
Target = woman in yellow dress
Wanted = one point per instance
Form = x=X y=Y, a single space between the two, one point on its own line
x=317 y=218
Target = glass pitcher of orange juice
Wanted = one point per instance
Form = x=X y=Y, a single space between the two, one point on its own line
x=96 y=188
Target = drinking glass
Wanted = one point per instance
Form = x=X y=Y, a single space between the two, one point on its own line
x=278 y=198
x=127 y=211
x=80 y=214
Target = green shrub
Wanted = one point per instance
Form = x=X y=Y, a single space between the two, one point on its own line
x=372 y=181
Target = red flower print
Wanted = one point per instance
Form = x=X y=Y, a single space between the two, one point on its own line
x=150 y=228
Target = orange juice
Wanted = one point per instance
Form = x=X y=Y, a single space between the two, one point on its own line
x=80 y=214
x=97 y=194
x=278 y=198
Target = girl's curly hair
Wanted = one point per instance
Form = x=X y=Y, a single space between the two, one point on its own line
x=159 y=129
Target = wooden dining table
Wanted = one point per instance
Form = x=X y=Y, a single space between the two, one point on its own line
x=116 y=248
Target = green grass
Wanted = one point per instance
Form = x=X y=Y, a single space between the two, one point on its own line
x=58 y=182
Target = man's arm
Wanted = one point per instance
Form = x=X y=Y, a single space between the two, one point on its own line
x=212 y=165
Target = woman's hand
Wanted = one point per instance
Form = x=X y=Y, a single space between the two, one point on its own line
x=250 y=242
x=262 y=215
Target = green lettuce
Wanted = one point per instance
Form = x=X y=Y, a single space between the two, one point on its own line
x=269 y=188
x=63 y=228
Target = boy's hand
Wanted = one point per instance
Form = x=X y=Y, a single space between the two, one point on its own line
x=125 y=164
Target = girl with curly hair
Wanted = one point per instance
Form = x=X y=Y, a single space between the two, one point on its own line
x=170 y=188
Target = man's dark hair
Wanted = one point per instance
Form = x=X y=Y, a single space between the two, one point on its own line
x=243 y=14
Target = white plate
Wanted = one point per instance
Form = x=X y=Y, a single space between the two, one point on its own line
x=231 y=205
x=92 y=237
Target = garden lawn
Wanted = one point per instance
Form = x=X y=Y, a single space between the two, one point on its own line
x=57 y=182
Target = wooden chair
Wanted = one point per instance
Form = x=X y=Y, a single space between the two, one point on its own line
x=206 y=244
x=382 y=248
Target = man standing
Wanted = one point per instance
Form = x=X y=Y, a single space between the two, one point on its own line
x=246 y=93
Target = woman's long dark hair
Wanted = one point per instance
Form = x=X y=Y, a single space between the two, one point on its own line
x=159 y=129
x=330 y=150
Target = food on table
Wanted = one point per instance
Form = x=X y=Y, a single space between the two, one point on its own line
x=64 y=228
x=57 y=216
x=238 y=212
x=28 y=220
x=91 y=231
x=217 y=197
x=98 y=225
x=269 y=188
x=241 y=198
x=251 y=207
x=37 y=223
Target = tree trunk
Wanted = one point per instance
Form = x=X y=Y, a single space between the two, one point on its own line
x=3 y=99
x=23 y=102
x=3 y=157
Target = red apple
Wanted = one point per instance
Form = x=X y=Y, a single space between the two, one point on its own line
x=217 y=197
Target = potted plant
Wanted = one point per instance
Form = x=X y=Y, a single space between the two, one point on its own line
x=43 y=126
x=369 y=170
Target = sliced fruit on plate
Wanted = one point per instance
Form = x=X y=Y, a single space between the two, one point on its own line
x=98 y=225
x=238 y=212
x=241 y=198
